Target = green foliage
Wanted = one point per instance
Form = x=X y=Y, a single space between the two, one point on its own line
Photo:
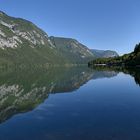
x=64 y=51
x=6 y=31
x=137 y=48
x=132 y=59
x=72 y=50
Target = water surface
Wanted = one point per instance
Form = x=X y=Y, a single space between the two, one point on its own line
x=75 y=103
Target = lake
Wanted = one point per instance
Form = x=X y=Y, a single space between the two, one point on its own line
x=70 y=103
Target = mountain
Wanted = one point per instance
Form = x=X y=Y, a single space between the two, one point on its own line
x=22 y=42
x=104 y=53
x=131 y=59
x=71 y=49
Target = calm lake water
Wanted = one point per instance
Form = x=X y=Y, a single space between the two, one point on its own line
x=75 y=103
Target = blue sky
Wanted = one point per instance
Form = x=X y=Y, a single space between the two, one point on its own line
x=99 y=24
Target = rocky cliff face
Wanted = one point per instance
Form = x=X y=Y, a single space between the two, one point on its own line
x=20 y=37
x=16 y=31
x=23 y=42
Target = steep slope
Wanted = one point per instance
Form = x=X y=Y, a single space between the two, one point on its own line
x=16 y=31
x=104 y=53
x=72 y=49
x=23 y=42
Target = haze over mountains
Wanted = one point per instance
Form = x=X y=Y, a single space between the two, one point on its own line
x=23 y=42
x=104 y=53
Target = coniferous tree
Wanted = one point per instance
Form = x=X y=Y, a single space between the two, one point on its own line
x=137 y=48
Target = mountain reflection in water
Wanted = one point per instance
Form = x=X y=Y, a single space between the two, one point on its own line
x=21 y=90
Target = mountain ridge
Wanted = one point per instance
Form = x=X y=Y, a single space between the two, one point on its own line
x=21 y=41
x=104 y=53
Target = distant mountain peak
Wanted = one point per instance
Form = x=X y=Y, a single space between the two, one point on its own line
x=104 y=53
